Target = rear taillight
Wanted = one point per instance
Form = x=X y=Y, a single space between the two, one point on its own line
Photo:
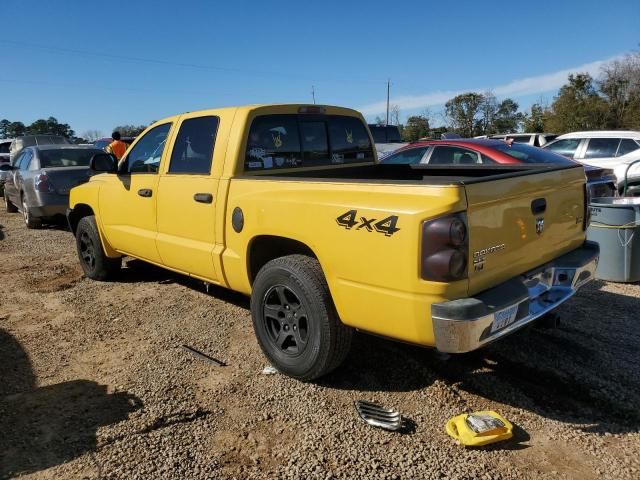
x=445 y=248
x=587 y=209
x=42 y=183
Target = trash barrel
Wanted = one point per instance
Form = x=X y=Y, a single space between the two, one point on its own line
x=615 y=225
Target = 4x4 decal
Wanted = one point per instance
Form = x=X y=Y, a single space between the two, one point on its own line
x=386 y=226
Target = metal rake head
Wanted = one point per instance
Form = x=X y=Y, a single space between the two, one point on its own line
x=378 y=416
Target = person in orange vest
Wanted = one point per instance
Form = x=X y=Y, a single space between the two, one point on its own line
x=117 y=147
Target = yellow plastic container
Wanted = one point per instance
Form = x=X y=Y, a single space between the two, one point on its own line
x=479 y=428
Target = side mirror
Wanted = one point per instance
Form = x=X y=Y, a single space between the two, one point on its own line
x=104 y=163
x=5 y=167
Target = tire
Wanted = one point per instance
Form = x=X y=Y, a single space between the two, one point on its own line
x=29 y=220
x=295 y=320
x=93 y=259
x=8 y=206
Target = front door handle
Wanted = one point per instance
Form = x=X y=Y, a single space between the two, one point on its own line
x=145 y=192
x=203 y=197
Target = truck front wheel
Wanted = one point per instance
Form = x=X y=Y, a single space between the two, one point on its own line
x=294 y=318
x=94 y=261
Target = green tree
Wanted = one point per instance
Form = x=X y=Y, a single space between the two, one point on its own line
x=534 y=120
x=577 y=107
x=417 y=126
x=620 y=86
x=507 y=118
x=463 y=112
x=50 y=126
x=130 y=130
x=15 y=129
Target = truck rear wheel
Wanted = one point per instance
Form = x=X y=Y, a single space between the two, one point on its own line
x=294 y=318
x=94 y=261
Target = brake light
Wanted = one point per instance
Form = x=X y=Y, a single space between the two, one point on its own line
x=312 y=109
x=445 y=248
x=42 y=183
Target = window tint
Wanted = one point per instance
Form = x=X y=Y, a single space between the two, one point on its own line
x=602 y=147
x=349 y=140
x=393 y=135
x=443 y=155
x=566 y=146
x=4 y=147
x=66 y=157
x=410 y=156
x=145 y=156
x=627 y=145
x=315 y=145
x=528 y=154
x=193 y=150
x=17 y=160
x=379 y=134
x=286 y=141
x=273 y=143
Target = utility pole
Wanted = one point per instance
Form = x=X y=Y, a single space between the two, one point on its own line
x=313 y=93
x=388 y=87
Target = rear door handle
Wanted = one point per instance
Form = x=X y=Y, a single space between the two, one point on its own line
x=145 y=192
x=203 y=197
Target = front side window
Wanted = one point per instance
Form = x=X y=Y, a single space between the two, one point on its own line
x=286 y=141
x=627 y=145
x=145 y=156
x=411 y=156
x=602 y=147
x=193 y=149
x=566 y=146
x=445 y=155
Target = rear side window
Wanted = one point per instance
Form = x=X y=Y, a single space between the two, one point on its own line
x=193 y=149
x=25 y=160
x=602 y=147
x=450 y=155
x=411 y=156
x=627 y=145
x=566 y=146
x=287 y=141
x=528 y=154
x=520 y=139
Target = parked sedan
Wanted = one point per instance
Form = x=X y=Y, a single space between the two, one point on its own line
x=602 y=182
x=40 y=180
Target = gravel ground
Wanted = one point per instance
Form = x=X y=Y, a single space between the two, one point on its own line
x=94 y=384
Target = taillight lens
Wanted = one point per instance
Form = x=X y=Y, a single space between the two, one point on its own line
x=42 y=183
x=445 y=248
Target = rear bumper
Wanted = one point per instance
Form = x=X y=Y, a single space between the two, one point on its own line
x=469 y=323
x=49 y=205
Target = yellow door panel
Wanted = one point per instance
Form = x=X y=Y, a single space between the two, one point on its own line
x=128 y=214
x=186 y=227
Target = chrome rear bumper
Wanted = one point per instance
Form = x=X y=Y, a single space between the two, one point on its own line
x=469 y=323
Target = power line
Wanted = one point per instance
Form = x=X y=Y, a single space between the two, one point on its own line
x=202 y=67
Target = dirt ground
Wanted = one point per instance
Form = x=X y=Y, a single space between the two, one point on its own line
x=94 y=384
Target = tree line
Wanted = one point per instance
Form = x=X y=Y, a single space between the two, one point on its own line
x=609 y=102
x=51 y=126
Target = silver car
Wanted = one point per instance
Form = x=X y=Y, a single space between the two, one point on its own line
x=41 y=178
x=5 y=143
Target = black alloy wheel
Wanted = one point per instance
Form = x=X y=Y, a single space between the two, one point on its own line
x=285 y=320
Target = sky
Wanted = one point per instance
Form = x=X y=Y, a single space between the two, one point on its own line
x=95 y=65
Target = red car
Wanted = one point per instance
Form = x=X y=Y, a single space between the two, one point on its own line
x=491 y=152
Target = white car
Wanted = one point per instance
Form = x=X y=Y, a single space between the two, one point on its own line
x=533 y=139
x=614 y=149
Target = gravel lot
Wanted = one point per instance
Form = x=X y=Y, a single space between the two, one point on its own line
x=94 y=384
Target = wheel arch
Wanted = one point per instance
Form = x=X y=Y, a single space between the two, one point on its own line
x=76 y=214
x=264 y=248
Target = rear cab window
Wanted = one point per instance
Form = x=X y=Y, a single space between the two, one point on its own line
x=294 y=141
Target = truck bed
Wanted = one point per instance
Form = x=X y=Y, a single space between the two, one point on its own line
x=412 y=174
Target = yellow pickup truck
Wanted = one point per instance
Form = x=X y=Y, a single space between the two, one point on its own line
x=287 y=204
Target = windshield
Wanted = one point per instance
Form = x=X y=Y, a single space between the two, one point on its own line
x=66 y=157
x=528 y=154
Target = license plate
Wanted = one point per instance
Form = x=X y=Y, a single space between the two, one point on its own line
x=503 y=318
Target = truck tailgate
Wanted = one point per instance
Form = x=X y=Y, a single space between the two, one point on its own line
x=519 y=223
